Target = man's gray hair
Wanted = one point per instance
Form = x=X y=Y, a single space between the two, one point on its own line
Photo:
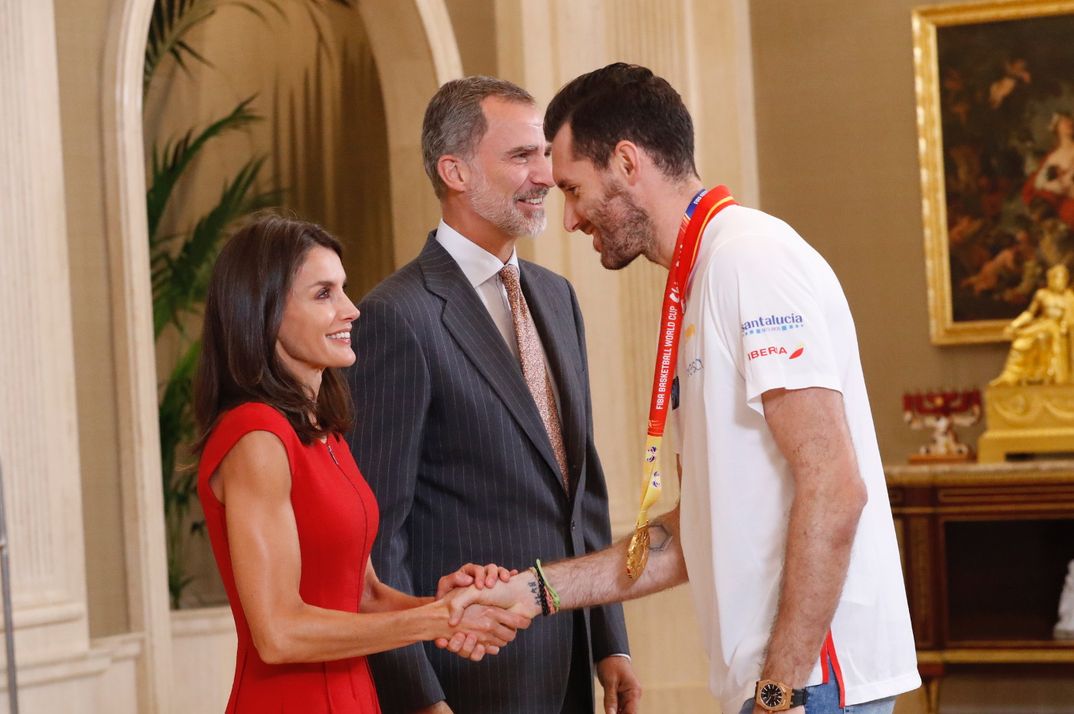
x=455 y=123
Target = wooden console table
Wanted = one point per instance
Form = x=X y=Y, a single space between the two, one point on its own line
x=985 y=549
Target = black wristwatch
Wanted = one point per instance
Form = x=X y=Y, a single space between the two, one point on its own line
x=773 y=696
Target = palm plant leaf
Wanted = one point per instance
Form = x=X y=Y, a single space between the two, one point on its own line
x=174 y=414
x=169 y=163
x=173 y=19
x=168 y=26
x=176 y=422
x=180 y=282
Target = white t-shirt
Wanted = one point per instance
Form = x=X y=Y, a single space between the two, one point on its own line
x=764 y=310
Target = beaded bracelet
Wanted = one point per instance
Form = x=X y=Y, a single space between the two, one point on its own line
x=547 y=586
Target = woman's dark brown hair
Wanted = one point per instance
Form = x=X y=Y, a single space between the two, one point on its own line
x=250 y=283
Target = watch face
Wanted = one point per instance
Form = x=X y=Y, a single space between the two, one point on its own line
x=771 y=695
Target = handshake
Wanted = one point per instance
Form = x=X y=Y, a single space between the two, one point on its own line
x=485 y=606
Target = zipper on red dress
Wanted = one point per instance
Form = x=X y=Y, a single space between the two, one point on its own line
x=333 y=455
x=357 y=604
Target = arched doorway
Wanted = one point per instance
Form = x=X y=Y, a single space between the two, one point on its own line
x=415 y=51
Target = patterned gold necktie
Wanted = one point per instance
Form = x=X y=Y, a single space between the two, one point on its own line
x=534 y=369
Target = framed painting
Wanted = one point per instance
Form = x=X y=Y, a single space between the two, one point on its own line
x=995 y=116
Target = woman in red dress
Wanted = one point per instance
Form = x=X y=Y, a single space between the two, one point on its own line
x=290 y=518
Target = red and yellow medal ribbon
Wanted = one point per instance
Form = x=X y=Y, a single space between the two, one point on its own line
x=702 y=209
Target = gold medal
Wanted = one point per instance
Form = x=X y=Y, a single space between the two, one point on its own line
x=638 y=552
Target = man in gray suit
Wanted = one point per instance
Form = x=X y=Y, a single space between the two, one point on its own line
x=474 y=419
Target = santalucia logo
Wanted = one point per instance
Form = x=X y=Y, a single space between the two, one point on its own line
x=773 y=323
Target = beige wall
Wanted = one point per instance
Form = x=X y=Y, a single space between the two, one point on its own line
x=82 y=27
x=474 y=23
x=837 y=150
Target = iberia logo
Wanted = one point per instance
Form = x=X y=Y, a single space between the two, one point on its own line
x=772 y=351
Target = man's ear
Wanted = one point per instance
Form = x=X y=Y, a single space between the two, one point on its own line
x=454 y=172
x=626 y=162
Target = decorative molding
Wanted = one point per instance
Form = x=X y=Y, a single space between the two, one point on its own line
x=200 y=621
x=66 y=666
x=415 y=49
x=918 y=555
x=85 y=682
x=436 y=22
x=1033 y=406
x=133 y=346
x=45 y=612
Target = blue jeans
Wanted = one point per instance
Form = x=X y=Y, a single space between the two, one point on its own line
x=824 y=699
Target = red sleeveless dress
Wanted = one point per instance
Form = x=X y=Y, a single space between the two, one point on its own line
x=337 y=519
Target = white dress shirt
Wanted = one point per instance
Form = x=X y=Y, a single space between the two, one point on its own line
x=482 y=269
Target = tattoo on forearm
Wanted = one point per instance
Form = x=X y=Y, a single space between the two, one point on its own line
x=536 y=590
x=659 y=537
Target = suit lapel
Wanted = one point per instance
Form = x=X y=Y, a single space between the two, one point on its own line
x=472 y=328
x=559 y=338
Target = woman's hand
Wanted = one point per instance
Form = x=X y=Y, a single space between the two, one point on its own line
x=519 y=595
x=481 y=630
x=473 y=574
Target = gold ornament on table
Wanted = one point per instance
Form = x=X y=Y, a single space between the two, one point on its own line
x=1030 y=405
x=1040 y=336
x=942 y=411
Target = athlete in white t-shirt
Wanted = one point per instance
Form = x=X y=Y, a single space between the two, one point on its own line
x=784 y=524
x=765 y=312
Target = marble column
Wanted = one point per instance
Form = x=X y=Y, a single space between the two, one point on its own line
x=38 y=421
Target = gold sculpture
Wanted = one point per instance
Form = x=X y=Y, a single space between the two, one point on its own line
x=1041 y=336
x=1030 y=405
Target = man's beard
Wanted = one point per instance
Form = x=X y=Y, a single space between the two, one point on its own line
x=625 y=229
x=502 y=212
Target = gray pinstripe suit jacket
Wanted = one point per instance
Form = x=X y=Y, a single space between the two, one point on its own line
x=452 y=444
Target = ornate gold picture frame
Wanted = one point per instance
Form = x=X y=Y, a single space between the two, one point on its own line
x=995 y=117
